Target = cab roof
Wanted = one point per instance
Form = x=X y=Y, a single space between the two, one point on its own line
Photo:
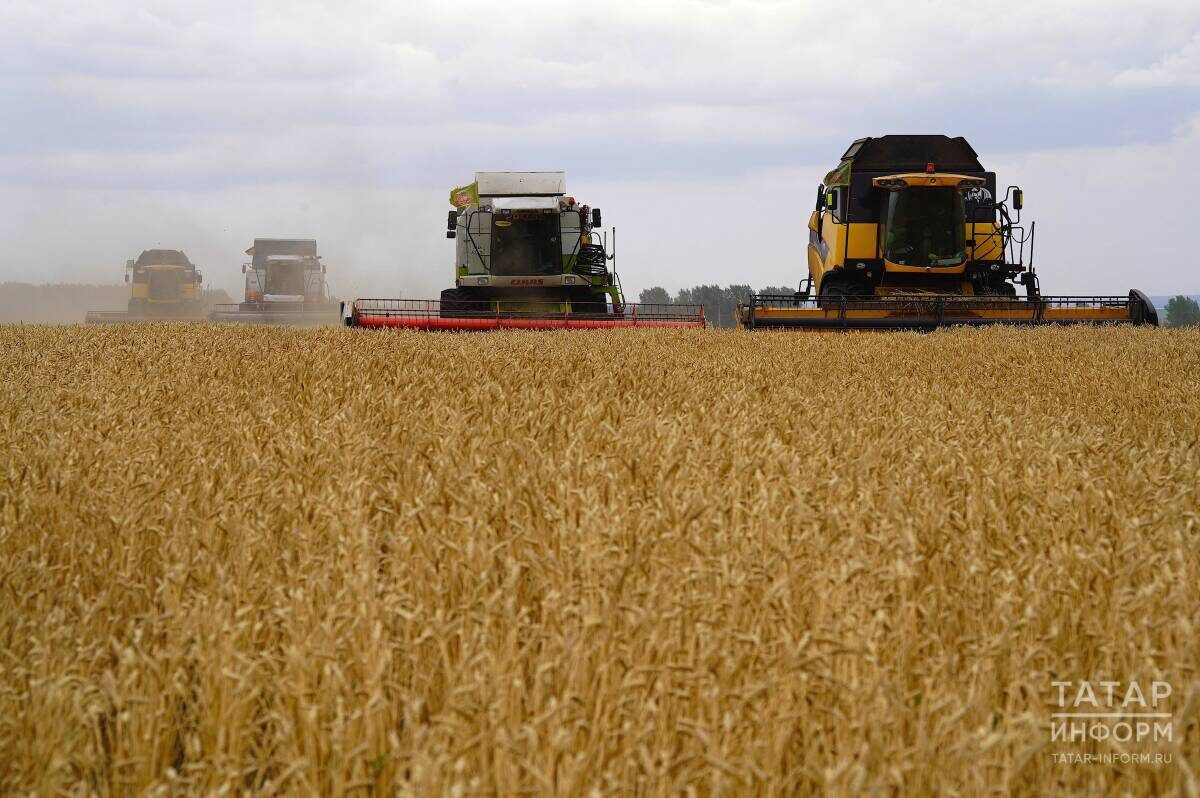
x=162 y=257
x=521 y=184
x=910 y=153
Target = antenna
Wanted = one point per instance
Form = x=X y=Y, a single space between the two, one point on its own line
x=1032 y=236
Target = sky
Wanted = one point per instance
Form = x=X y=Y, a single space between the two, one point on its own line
x=700 y=128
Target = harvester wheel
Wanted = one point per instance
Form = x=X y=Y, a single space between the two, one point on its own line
x=456 y=302
x=834 y=289
x=590 y=303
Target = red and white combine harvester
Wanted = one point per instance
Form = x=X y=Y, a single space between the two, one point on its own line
x=285 y=284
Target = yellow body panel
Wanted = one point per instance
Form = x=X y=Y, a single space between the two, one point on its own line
x=840 y=242
x=988 y=243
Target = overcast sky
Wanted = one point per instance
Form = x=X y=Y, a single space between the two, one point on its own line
x=700 y=128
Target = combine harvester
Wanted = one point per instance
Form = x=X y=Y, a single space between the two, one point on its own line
x=909 y=234
x=528 y=257
x=164 y=286
x=285 y=284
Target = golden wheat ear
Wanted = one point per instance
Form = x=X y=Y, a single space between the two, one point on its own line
x=252 y=560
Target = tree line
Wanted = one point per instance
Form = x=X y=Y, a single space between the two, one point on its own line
x=719 y=302
x=1183 y=311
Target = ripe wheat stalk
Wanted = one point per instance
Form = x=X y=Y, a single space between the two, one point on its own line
x=653 y=563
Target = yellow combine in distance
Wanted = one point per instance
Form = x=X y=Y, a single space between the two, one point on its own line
x=910 y=232
x=163 y=285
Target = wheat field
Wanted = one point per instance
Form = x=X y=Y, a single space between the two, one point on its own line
x=619 y=563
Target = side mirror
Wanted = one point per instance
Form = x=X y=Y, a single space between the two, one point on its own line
x=820 y=197
x=129 y=264
x=199 y=277
x=595 y=217
x=451 y=220
x=243 y=268
x=1018 y=199
x=451 y=234
x=126 y=276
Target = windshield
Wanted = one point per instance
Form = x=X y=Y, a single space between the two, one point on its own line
x=925 y=227
x=526 y=242
x=164 y=283
x=285 y=277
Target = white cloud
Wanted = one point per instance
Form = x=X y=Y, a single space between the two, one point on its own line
x=1112 y=218
x=374 y=241
x=172 y=122
x=1181 y=68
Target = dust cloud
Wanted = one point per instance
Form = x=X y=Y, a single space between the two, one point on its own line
x=373 y=241
x=57 y=304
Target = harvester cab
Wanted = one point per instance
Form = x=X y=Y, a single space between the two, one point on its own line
x=527 y=256
x=163 y=284
x=285 y=284
x=910 y=232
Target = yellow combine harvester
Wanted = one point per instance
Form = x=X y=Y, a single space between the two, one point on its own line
x=163 y=285
x=909 y=232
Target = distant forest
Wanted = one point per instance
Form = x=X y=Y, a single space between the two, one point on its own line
x=67 y=303
x=1181 y=311
x=718 y=302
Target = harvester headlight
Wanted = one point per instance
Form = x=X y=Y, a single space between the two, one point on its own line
x=569 y=279
x=995 y=267
x=482 y=281
x=860 y=266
